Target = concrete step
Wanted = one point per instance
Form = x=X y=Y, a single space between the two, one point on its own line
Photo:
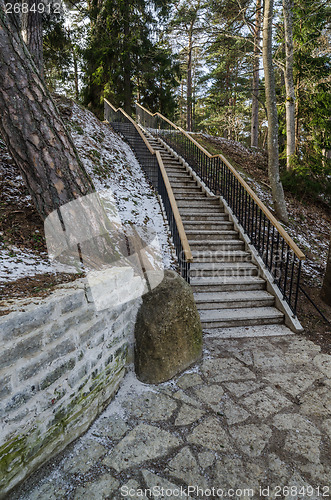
x=233 y=300
x=221 y=256
x=220 y=269
x=174 y=176
x=185 y=183
x=217 y=245
x=194 y=216
x=227 y=284
x=218 y=318
x=207 y=226
x=190 y=192
x=219 y=235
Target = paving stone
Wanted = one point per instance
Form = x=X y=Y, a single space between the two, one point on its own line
x=50 y=490
x=302 y=438
x=184 y=466
x=278 y=468
x=327 y=427
x=231 y=472
x=293 y=383
x=238 y=389
x=210 y=394
x=251 y=438
x=211 y=435
x=181 y=396
x=151 y=406
x=269 y=361
x=206 y=459
x=265 y=402
x=144 y=442
x=99 y=489
x=222 y=370
x=84 y=457
x=189 y=380
x=234 y=413
x=316 y=402
x=323 y=363
x=188 y=415
x=170 y=489
x=112 y=427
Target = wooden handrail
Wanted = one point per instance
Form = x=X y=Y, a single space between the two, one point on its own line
x=175 y=211
x=257 y=200
x=178 y=219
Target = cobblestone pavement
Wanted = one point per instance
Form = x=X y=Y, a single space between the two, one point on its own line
x=253 y=413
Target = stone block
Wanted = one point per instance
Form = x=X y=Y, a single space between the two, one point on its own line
x=168 y=331
x=23 y=349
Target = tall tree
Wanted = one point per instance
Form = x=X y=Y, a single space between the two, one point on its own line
x=125 y=57
x=271 y=106
x=33 y=130
x=256 y=77
x=186 y=25
x=32 y=32
x=289 y=82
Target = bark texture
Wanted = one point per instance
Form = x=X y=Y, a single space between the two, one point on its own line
x=256 y=78
x=32 y=34
x=189 y=85
x=33 y=130
x=289 y=84
x=326 y=287
x=271 y=105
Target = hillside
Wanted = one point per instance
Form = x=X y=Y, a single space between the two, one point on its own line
x=24 y=265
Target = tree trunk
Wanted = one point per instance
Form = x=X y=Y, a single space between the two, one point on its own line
x=127 y=69
x=271 y=106
x=189 y=86
x=256 y=78
x=289 y=84
x=326 y=287
x=33 y=131
x=32 y=33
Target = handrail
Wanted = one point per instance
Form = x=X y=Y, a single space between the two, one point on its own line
x=262 y=206
x=176 y=214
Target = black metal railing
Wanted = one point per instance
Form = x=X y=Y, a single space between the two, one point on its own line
x=278 y=251
x=150 y=162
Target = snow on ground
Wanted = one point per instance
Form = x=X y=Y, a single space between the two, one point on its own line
x=111 y=165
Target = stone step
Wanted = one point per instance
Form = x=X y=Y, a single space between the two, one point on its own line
x=178 y=176
x=207 y=226
x=219 y=235
x=220 y=256
x=218 y=318
x=185 y=183
x=217 y=245
x=193 y=216
x=233 y=300
x=189 y=193
x=219 y=269
x=227 y=284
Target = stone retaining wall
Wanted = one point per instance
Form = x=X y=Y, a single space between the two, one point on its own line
x=60 y=363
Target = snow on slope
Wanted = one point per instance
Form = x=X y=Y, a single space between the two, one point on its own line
x=111 y=164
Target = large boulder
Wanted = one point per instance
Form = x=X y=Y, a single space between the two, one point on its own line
x=168 y=333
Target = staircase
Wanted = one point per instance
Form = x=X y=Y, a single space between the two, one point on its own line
x=226 y=285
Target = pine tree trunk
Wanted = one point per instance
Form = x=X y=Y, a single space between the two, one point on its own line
x=189 y=86
x=32 y=33
x=33 y=131
x=271 y=106
x=289 y=83
x=326 y=287
x=256 y=78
